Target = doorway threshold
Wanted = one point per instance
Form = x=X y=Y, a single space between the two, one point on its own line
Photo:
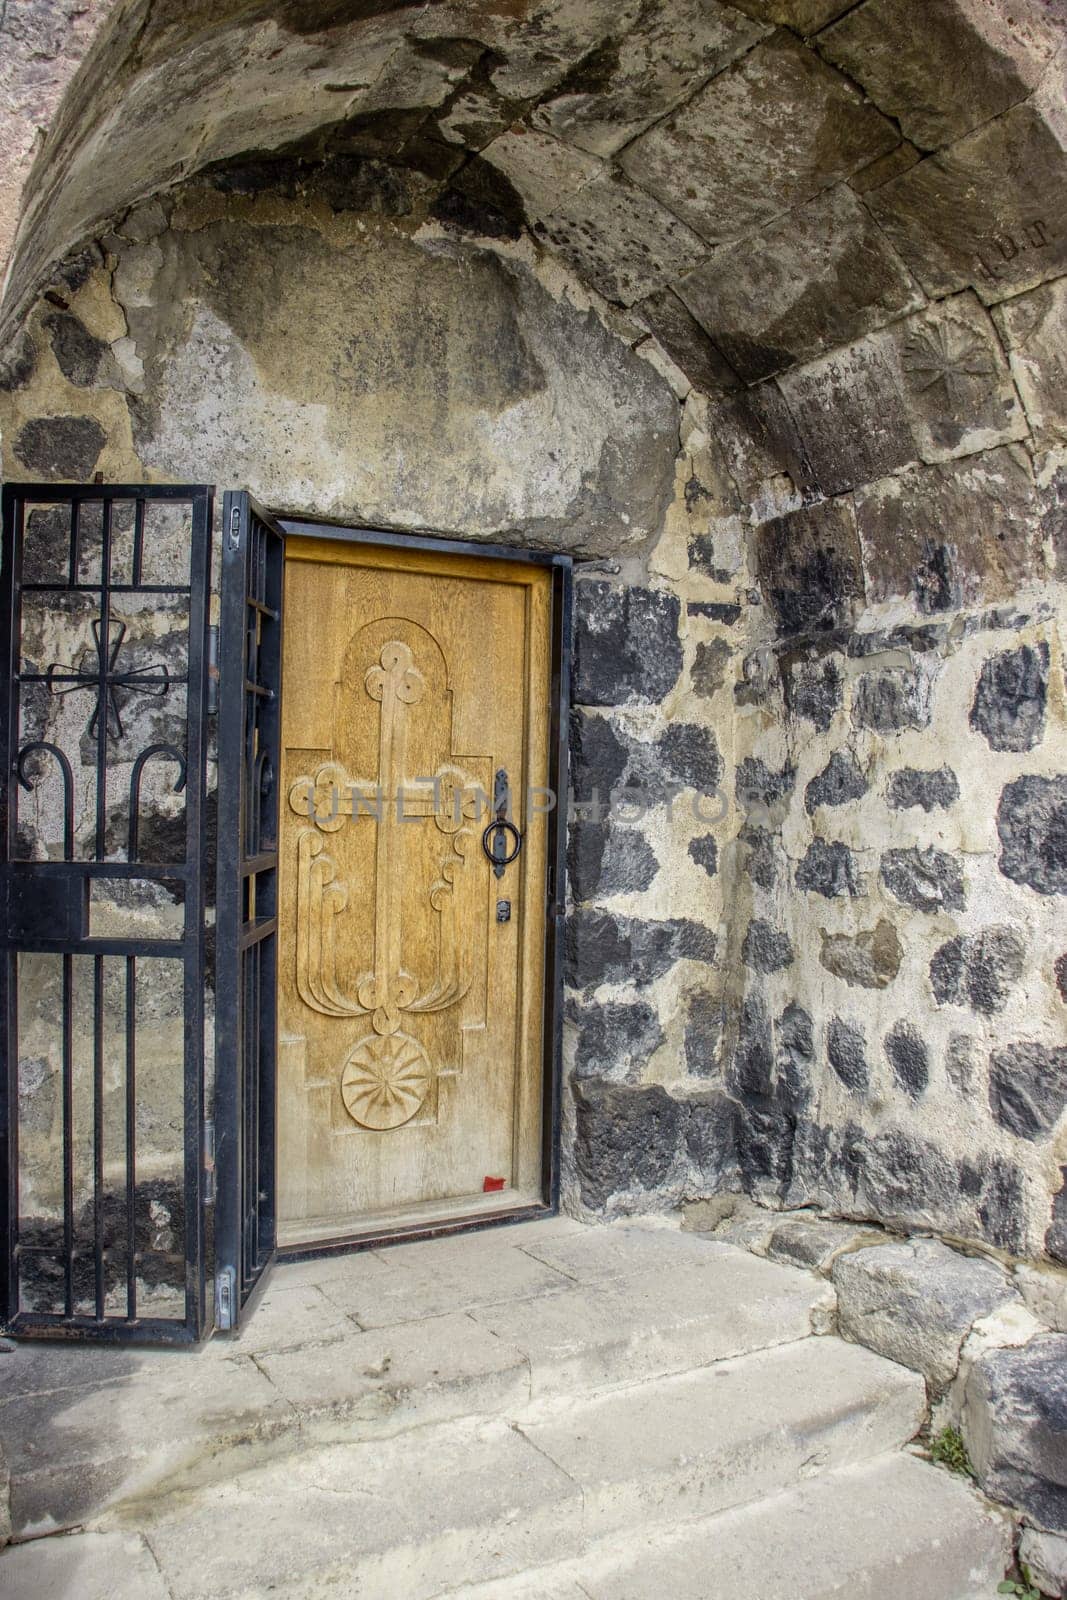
x=432 y=1219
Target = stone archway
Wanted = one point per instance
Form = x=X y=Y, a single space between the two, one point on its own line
x=782 y=286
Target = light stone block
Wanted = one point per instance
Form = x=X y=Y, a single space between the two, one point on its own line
x=737 y=1432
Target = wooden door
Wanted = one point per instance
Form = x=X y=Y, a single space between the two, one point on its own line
x=411 y=974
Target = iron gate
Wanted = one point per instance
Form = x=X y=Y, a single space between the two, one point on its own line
x=103 y=633
x=253 y=556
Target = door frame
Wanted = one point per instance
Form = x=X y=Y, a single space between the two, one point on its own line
x=562 y=571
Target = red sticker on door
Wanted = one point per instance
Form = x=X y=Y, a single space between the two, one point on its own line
x=492 y=1185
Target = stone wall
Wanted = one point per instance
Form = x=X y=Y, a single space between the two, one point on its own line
x=902 y=763
x=359 y=367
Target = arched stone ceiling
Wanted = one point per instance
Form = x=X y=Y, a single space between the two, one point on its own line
x=763 y=180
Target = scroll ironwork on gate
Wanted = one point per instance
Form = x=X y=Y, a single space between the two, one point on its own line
x=103 y=629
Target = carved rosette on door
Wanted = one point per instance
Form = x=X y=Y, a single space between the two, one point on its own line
x=387 y=1076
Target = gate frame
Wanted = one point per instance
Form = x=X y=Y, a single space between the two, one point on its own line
x=190 y=948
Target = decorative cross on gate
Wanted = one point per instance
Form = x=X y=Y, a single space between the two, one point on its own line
x=154 y=680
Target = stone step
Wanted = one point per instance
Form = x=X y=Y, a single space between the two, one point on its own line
x=594 y=1313
x=889 y=1529
x=692 y=1445
x=477 y=1500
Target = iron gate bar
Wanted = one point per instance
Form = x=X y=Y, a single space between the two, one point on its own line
x=246 y=904
x=72 y=880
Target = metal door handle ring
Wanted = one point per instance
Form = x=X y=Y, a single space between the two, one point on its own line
x=488 y=838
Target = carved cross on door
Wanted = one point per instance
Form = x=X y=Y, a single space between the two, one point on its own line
x=387 y=1074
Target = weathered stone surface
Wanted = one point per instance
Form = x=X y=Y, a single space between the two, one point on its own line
x=892 y=700
x=18 y=363
x=64 y=448
x=1056 y=1237
x=1044 y=1288
x=745 y=294
x=1011 y=697
x=757 y=141
x=846 y=1050
x=803 y=16
x=757 y=785
x=765 y=948
x=1032 y=824
x=829 y=868
x=916 y=1302
x=760 y=862
x=927 y=880
x=626 y=645
x=687 y=753
x=600 y=759
x=686 y=342
x=906 y=1051
x=967 y=62
x=961 y=1062
x=627 y=1139
x=605 y=949
x=92 y=1565
x=931 y=387
x=78 y=353
x=813 y=1243
x=1034 y=329
x=725 y=611
x=994 y=1191
x=633 y=81
x=605 y=859
x=928 y=788
x=869 y=960
x=710 y=1138
x=396 y=316
x=702 y=1038
x=753 y=1065
x=1015 y=1427
x=904 y=525
x=1028 y=1087
x=702 y=552
x=978 y=970
x=705 y=852
x=814 y=692
x=983 y=213
x=908 y=1181
x=1044 y=1555
x=1060 y=970
x=621 y=240
x=614 y=1040
x=711 y=661
x=840 y=781
x=540 y=169
x=810 y=568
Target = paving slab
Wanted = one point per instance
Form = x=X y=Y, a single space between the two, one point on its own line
x=597 y=1253
x=45 y=1366
x=657 y=1320
x=428 y=1281
x=82 y=1566
x=385 y=1380
x=73 y=1451
x=695 y=1444
x=412 y=1517
x=286 y=1318
x=889 y=1529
